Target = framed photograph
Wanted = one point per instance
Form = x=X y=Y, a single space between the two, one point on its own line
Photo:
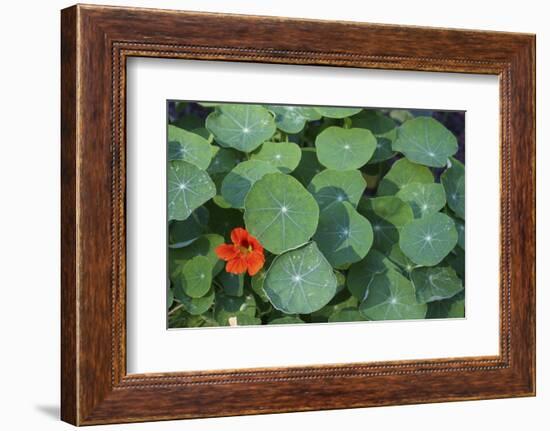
x=329 y=214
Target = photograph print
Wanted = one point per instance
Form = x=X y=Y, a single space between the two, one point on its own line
x=280 y=214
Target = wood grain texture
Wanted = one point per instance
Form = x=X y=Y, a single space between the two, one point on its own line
x=96 y=41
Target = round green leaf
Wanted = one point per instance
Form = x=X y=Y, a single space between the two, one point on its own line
x=330 y=186
x=346 y=315
x=453 y=181
x=183 y=233
x=383 y=128
x=424 y=199
x=292 y=119
x=402 y=173
x=188 y=188
x=391 y=296
x=426 y=241
x=194 y=306
x=285 y=156
x=344 y=149
x=341 y=301
x=280 y=213
x=243 y=127
x=203 y=246
x=326 y=111
x=447 y=308
x=243 y=308
x=308 y=167
x=402 y=261
x=388 y=215
x=257 y=284
x=300 y=281
x=196 y=276
x=238 y=182
x=434 y=284
x=233 y=284
x=223 y=160
x=184 y=145
x=362 y=274
x=344 y=236
x=425 y=141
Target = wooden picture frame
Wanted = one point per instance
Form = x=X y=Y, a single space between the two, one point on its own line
x=96 y=41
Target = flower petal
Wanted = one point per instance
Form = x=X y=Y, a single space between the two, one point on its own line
x=239 y=236
x=227 y=251
x=255 y=261
x=256 y=246
x=236 y=266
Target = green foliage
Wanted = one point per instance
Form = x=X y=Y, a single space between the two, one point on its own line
x=300 y=281
x=280 y=213
x=360 y=213
x=344 y=149
x=426 y=141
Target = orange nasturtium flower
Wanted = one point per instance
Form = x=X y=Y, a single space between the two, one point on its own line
x=245 y=254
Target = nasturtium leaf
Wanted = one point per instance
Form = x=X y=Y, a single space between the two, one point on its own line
x=401 y=173
x=223 y=160
x=240 y=180
x=401 y=115
x=203 y=131
x=184 y=145
x=345 y=149
x=308 y=167
x=233 y=284
x=383 y=128
x=341 y=301
x=285 y=156
x=329 y=187
x=300 y=281
x=292 y=119
x=224 y=220
x=426 y=241
x=346 y=315
x=183 y=233
x=391 y=296
x=364 y=273
x=286 y=320
x=436 y=283
x=340 y=281
x=326 y=111
x=239 y=307
x=344 y=236
x=460 y=228
x=453 y=181
x=243 y=127
x=402 y=261
x=195 y=277
x=194 y=306
x=424 y=199
x=425 y=141
x=447 y=308
x=203 y=246
x=388 y=215
x=280 y=213
x=188 y=188
x=257 y=284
